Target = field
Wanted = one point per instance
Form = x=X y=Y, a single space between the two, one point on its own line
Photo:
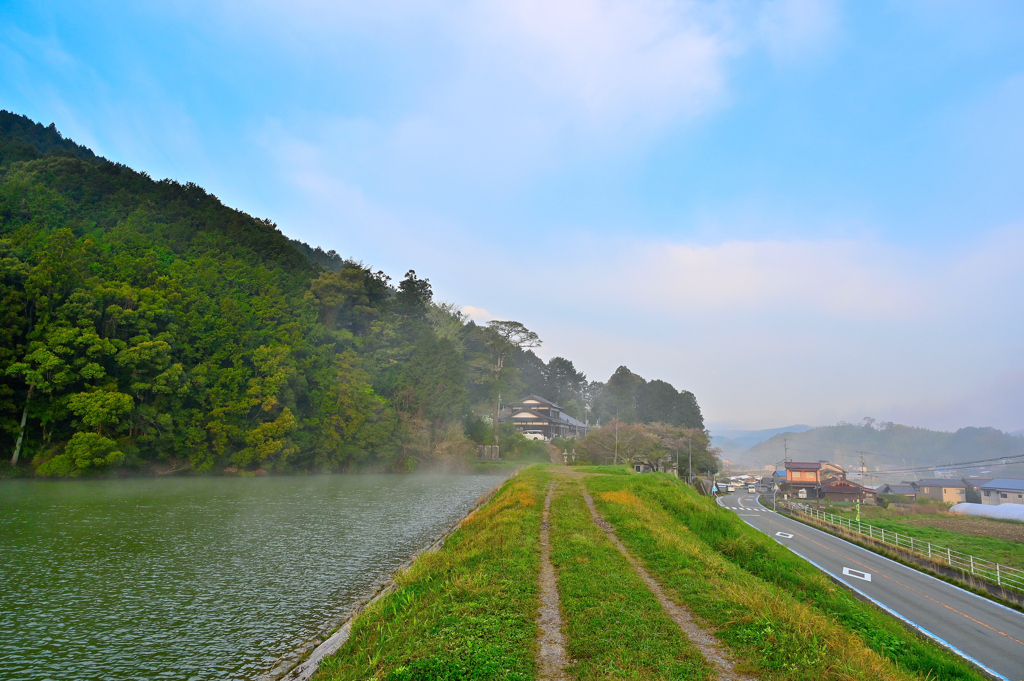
x=999 y=541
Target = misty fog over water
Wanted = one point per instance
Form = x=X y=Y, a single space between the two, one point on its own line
x=201 y=578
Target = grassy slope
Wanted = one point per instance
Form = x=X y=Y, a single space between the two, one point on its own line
x=464 y=612
x=770 y=607
x=468 y=610
x=990 y=548
x=613 y=625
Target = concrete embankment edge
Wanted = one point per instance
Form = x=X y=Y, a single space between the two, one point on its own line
x=307 y=666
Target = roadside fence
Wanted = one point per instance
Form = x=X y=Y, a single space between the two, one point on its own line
x=1000 y=575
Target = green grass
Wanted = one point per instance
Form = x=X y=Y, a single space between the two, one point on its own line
x=989 y=548
x=464 y=612
x=613 y=625
x=499 y=466
x=773 y=609
x=468 y=611
x=620 y=469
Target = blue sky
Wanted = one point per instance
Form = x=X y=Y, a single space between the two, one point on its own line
x=802 y=210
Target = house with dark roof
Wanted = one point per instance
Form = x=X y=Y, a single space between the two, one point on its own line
x=939 y=489
x=1002 y=491
x=908 y=491
x=973 y=484
x=844 y=490
x=538 y=416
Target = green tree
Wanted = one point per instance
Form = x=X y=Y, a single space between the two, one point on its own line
x=502 y=339
x=621 y=442
x=85 y=452
x=565 y=386
x=100 y=409
x=414 y=295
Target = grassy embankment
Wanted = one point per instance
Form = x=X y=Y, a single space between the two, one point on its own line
x=774 y=610
x=986 y=544
x=467 y=611
x=613 y=625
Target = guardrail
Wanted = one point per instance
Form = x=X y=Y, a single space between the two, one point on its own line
x=1000 y=575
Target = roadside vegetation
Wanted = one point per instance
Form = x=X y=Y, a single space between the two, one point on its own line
x=995 y=540
x=771 y=606
x=463 y=612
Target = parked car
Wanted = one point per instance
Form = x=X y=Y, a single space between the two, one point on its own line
x=534 y=435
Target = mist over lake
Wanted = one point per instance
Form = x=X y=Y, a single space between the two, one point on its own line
x=190 y=578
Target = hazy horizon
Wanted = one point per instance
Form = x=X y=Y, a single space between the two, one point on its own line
x=803 y=211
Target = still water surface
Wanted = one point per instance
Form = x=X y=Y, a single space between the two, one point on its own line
x=200 y=578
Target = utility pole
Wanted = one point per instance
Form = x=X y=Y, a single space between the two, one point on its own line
x=689 y=471
x=785 y=449
x=616 y=436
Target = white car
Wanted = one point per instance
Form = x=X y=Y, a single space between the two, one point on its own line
x=752 y=490
x=534 y=435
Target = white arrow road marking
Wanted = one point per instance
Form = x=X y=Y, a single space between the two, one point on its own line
x=866 y=576
x=784 y=535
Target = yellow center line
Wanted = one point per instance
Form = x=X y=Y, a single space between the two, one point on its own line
x=987 y=626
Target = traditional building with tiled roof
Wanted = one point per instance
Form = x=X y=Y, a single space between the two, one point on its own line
x=538 y=415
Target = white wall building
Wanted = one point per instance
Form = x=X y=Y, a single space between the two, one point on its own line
x=1002 y=491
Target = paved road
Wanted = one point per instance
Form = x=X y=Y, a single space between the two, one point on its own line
x=985 y=632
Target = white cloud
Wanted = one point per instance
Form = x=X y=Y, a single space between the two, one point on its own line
x=605 y=62
x=776 y=332
x=477 y=314
x=844 y=279
x=496 y=93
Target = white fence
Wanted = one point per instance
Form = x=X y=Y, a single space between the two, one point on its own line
x=1001 y=575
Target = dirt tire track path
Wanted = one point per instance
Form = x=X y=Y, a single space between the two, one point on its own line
x=701 y=638
x=551 y=657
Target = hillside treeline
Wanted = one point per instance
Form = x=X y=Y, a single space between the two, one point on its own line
x=144 y=325
x=657 y=445
x=891 y=445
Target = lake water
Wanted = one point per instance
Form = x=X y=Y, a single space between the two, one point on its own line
x=215 y=578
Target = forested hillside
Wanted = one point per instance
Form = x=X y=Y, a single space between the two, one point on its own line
x=146 y=326
x=894 y=446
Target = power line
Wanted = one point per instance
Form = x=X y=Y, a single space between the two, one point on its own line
x=1010 y=459
x=961 y=464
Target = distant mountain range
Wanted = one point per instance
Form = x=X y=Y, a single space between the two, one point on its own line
x=886 y=446
x=734 y=440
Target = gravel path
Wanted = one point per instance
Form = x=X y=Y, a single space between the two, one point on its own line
x=703 y=639
x=551 y=658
